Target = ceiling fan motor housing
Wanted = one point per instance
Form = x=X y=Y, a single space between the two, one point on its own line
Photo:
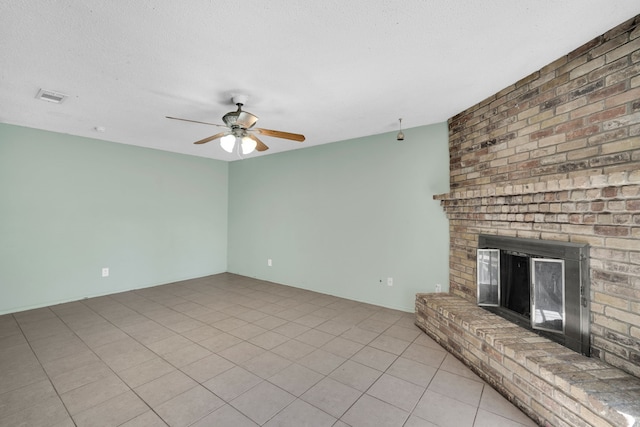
x=240 y=118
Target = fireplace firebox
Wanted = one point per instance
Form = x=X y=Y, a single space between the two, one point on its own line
x=541 y=285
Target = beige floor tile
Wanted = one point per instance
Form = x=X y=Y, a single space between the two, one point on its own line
x=146 y=419
x=45 y=413
x=124 y=354
x=489 y=419
x=274 y=343
x=225 y=416
x=98 y=335
x=414 y=421
x=207 y=367
x=232 y=383
x=164 y=388
x=186 y=355
x=315 y=337
x=355 y=375
x=254 y=316
x=220 y=342
x=296 y=379
x=332 y=327
x=247 y=331
x=494 y=402
x=17 y=400
x=389 y=344
x=455 y=366
x=269 y=340
x=44 y=328
x=342 y=347
x=241 y=352
x=399 y=393
x=457 y=387
x=373 y=325
x=69 y=363
x=148 y=331
x=403 y=333
x=229 y=324
x=322 y=361
x=426 y=355
x=89 y=395
x=83 y=375
x=445 y=411
x=145 y=372
x=202 y=333
x=112 y=412
x=266 y=364
x=168 y=345
x=310 y=320
x=20 y=373
x=293 y=350
x=262 y=402
x=189 y=407
x=371 y=412
x=35 y=315
x=292 y=314
x=412 y=371
x=374 y=358
x=271 y=322
x=291 y=329
x=11 y=340
x=331 y=396
x=57 y=346
x=300 y=413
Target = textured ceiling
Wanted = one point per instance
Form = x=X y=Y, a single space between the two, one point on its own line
x=331 y=69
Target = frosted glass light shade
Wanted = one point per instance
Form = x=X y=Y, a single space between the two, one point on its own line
x=227 y=143
x=248 y=145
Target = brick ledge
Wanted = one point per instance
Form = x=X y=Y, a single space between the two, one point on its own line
x=577 y=183
x=553 y=385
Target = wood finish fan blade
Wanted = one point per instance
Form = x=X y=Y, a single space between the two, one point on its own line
x=260 y=145
x=195 y=121
x=279 y=134
x=211 y=138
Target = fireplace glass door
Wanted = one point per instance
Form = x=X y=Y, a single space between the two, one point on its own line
x=488 y=268
x=547 y=277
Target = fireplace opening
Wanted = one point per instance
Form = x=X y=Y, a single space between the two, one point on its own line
x=538 y=284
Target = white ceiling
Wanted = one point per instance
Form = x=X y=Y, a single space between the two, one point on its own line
x=330 y=69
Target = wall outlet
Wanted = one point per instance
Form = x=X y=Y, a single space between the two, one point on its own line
x=438 y=288
x=269 y=262
x=389 y=281
x=105 y=272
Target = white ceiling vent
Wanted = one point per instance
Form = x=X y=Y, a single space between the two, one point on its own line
x=51 y=96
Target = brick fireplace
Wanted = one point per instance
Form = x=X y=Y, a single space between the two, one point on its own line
x=556 y=156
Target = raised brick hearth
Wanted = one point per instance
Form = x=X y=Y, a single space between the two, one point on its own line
x=552 y=384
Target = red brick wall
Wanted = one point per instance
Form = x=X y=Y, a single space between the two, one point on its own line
x=557 y=156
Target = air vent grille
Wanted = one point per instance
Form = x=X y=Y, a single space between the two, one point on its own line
x=51 y=96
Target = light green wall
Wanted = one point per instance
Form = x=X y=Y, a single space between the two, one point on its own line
x=70 y=206
x=339 y=218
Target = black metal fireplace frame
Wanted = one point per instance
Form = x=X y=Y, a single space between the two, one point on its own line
x=576 y=267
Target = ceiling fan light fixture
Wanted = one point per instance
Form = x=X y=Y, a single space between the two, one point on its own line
x=248 y=145
x=227 y=142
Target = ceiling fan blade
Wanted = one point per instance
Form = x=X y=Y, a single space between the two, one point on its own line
x=279 y=134
x=195 y=121
x=260 y=145
x=211 y=138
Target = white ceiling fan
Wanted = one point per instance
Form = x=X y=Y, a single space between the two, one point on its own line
x=241 y=131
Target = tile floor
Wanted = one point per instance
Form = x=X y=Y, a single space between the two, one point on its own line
x=228 y=350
